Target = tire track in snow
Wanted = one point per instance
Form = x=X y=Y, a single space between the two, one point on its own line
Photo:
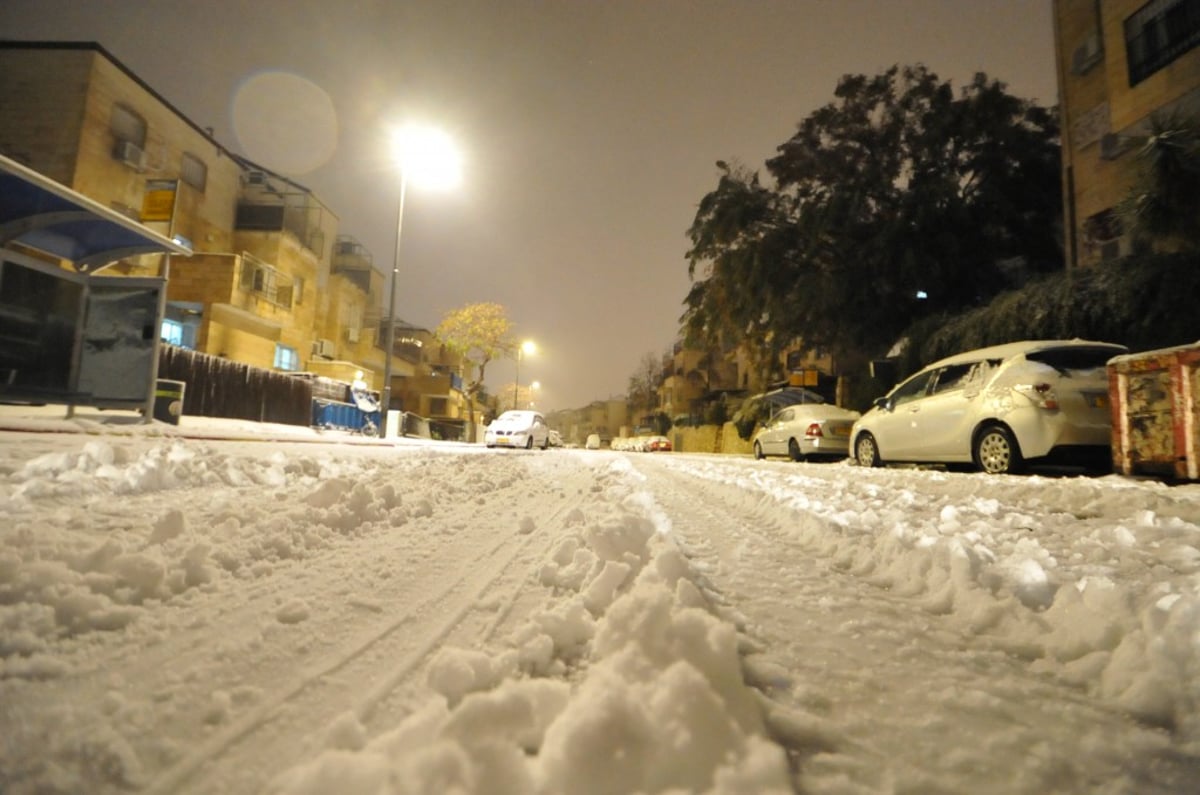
x=459 y=594
x=930 y=708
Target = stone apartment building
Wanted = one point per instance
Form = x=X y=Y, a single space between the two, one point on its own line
x=1119 y=63
x=690 y=377
x=694 y=378
x=609 y=419
x=270 y=283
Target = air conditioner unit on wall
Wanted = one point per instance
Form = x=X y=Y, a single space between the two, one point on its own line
x=130 y=154
x=254 y=178
x=324 y=348
x=352 y=334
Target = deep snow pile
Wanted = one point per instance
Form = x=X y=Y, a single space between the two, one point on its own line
x=624 y=679
x=1055 y=622
x=1114 y=605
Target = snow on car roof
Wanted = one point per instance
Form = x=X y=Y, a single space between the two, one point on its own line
x=790 y=396
x=517 y=415
x=1010 y=349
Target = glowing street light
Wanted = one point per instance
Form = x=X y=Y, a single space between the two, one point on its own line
x=527 y=348
x=429 y=158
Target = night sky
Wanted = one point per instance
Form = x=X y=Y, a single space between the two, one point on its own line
x=589 y=130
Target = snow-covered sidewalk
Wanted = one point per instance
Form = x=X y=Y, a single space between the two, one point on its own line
x=208 y=615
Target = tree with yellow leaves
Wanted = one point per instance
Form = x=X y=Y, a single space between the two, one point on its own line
x=478 y=333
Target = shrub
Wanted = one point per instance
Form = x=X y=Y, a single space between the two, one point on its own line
x=1143 y=301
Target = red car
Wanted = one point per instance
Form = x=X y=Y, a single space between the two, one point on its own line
x=659 y=444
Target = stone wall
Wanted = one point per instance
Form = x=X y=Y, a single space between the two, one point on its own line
x=704 y=439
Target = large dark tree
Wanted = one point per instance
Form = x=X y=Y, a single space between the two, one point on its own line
x=738 y=266
x=898 y=188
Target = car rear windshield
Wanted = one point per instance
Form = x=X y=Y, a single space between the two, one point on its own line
x=1076 y=357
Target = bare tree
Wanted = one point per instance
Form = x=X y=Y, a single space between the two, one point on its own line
x=644 y=383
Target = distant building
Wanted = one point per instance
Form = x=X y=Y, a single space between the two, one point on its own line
x=1119 y=62
x=608 y=419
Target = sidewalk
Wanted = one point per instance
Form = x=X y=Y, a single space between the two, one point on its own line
x=52 y=418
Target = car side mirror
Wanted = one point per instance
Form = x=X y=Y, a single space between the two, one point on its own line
x=882 y=403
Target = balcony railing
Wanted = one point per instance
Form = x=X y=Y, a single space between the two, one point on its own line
x=267 y=283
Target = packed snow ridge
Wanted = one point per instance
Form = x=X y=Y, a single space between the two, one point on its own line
x=190 y=616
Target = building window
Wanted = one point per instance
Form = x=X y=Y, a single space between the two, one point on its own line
x=1158 y=33
x=437 y=407
x=172 y=332
x=286 y=358
x=194 y=172
x=128 y=126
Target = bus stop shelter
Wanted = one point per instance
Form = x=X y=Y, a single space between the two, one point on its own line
x=68 y=333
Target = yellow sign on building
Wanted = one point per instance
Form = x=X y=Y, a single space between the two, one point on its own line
x=806 y=377
x=159 y=202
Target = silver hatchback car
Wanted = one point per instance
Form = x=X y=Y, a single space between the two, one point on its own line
x=997 y=408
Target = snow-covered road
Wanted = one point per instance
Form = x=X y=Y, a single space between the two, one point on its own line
x=191 y=616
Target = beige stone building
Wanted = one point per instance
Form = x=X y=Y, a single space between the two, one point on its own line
x=270 y=283
x=254 y=289
x=1119 y=62
x=609 y=419
x=692 y=374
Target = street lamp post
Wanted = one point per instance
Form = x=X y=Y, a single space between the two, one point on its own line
x=525 y=347
x=386 y=400
x=430 y=158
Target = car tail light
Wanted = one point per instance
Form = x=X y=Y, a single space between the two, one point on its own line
x=1042 y=395
x=814 y=431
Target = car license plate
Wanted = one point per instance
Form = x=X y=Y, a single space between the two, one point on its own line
x=1098 y=400
x=841 y=430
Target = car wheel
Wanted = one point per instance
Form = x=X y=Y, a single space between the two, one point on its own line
x=758 y=453
x=996 y=451
x=865 y=451
x=546 y=444
x=529 y=443
x=794 y=450
x=490 y=446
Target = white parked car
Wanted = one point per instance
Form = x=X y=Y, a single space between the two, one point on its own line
x=526 y=429
x=997 y=408
x=812 y=429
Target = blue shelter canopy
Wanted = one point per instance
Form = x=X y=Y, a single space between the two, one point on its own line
x=37 y=212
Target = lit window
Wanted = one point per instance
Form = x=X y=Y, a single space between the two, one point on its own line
x=286 y=358
x=172 y=332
